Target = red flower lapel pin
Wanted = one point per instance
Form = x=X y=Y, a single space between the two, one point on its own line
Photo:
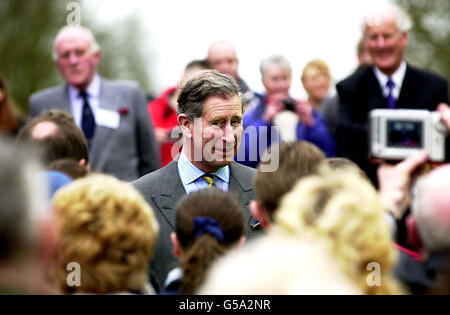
x=123 y=111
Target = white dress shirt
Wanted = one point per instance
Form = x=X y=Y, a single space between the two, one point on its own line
x=397 y=77
x=191 y=176
x=76 y=101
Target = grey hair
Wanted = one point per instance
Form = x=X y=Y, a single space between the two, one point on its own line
x=400 y=17
x=432 y=227
x=95 y=47
x=23 y=202
x=277 y=60
x=203 y=85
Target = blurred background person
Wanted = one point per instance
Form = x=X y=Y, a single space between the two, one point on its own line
x=330 y=106
x=106 y=227
x=363 y=54
x=345 y=164
x=391 y=83
x=111 y=114
x=294 y=120
x=10 y=118
x=56 y=137
x=223 y=58
x=316 y=79
x=69 y=167
x=431 y=212
x=208 y=223
x=27 y=242
x=295 y=161
x=427 y=268
x=343 y=207
x=284 y=265
x=163 y=112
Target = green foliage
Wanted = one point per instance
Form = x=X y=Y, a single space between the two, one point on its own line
x=26 y=40
x=429 y=40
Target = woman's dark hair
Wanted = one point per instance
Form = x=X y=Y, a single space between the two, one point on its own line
x=9 y=115
x=202 y=248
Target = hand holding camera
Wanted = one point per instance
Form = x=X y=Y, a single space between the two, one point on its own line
x=444 y=110
x=395 y=182
x=398 y=134
x=305 y=113
x=274 y=106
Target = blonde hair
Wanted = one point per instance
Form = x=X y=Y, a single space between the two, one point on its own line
x=345 y=208
x=318 y=65
x=285 y=265
x=109 y=230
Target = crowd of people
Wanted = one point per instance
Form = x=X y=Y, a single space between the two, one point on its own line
x=212 y=188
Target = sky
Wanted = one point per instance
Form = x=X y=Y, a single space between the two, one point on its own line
x=301 y=30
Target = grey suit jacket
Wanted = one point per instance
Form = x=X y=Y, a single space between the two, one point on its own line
x=163 y=189
x=127 y=152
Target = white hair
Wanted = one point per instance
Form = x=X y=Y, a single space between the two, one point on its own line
x=388 y=11
x=95 y=47
x=276 y=60
x=431 y=215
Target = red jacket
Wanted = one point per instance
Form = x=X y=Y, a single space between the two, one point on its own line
x=163 y=116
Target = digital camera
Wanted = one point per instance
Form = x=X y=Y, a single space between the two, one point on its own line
x=289 y=104
x=396 y=134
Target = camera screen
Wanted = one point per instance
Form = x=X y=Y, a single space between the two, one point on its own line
x=405 y=134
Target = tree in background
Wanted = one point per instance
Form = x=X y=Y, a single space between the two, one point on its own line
x=26 y=40
x=430 y=35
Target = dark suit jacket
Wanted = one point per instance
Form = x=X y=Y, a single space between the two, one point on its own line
x=163 y=189
x=361 y=92
x=127 y=152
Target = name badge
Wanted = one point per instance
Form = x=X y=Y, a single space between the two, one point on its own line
x=107 y=118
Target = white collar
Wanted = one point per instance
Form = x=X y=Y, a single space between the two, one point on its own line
x=190 y=172
x=93 y=90
x=397 y=77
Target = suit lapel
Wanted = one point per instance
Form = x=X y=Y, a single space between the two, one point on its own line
x=63 y=100
x=408 y=96
x=376 y=99
x=239 y=186
x=171 y=191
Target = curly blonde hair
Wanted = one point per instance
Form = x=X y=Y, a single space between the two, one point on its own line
x=344 y=208
x=109 y=230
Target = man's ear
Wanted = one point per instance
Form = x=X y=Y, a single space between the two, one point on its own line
x=406 y=39
x=97 y=56
x=85 y=164
x=185 y=125
x=176 y=247
x=260 y=214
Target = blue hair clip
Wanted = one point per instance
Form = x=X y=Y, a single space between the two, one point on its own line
x=209 y=226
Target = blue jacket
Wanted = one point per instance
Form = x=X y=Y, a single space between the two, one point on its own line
x=258 y=136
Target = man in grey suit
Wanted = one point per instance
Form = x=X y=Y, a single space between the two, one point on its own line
x=210 y=110
x=112 y=114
